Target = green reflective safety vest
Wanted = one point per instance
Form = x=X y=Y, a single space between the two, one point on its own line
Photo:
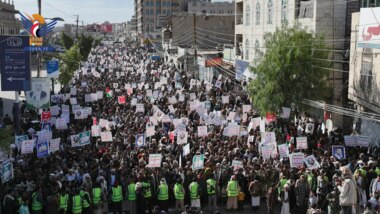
x=63 y=199
x=178 y=192
x=211 y=186
x=19 y=201
x=194 y=190
x=36 y=205
x=132 y=192
x=282 y=185
x=117 y=194
x=85 y=202
x=163 y=193
x=77 y=204
x=377 y=170
x=147 y=191
x=232 y=189
x=96 y=195
x=312 y=182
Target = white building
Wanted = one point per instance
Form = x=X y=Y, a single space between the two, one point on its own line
x=211 y=7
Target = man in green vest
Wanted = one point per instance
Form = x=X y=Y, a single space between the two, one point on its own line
x=211 y=192
x=76 y=204
x=163 y=195
x=179 y=194
x=233 y=190
x=37 y=202
x=281 y=183
x=117 y=198
x=86 y=201
x=97 y=198
x=63 y=201
x=147 y=194
x=131 y=196
x=194 y=194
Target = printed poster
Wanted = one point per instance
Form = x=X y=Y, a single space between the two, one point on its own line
x=155 y=160
x=182 y=137
x=283 y=149
x=311 y=162
x=296 y=160
x=19 y=139
x=236 y=164
x=350 y=140
x=339 y=152
x=39 y=95
x=140 y=140
x=27 y=147
x=84 y=138
x=301 y=142
x=6 y=171
x=95 y=131
x=106 y=136
x=202 y=131
x=43 y=149
x=74 y=140
x=363 y=141
x=186 y=150
x=150 y=131
x=54 y=145
x=198 y=162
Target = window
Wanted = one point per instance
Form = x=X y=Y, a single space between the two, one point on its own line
x=258 y=13
x=247 y=15
x=158 y=4
x=257 y=49
x=371 y=3
x=152 y=4
x=246 y=54
x=270 y=11
x=147 y=12
x=366 y=71
x=158 y=11
x=284 y=11
x=147 y=3
x=151 y=12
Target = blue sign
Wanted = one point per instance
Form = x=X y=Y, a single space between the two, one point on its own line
x=14 y=63
x=52 y=68
x=240 y=67
x=155 y=57
x=39 y=49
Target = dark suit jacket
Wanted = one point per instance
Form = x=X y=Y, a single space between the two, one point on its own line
x=42 y=96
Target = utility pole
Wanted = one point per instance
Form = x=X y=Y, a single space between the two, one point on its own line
x=39 y=7
x=195 y=39
x=76 y=33
x=38 y=55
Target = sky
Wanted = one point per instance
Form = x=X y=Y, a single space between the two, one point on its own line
x=89 y=11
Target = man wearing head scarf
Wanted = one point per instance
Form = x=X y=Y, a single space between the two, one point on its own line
x=163 y=195
x=233 y=190
x=348 y=192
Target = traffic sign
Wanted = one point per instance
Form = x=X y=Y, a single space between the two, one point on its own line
x=14 y=63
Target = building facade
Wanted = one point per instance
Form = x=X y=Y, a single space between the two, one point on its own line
x=9 y=25
x=211 y=7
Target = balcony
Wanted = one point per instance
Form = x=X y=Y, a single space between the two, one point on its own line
x=239 y=13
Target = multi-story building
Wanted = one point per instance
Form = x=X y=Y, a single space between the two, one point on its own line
x=255 y=18
x=208 y=7
x=364 y=75
x=9 y=25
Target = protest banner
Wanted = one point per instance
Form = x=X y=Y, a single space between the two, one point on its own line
x=301 y=142
x=155 y=160
x=140 y=108
x=57 y=98
x=61 y=124
x=45 y=116
x=95 y=131
x=236 y=164
x=255 y=122
x=202 y=131
x=39 y=95
x=74 y=140
x=233 y=130
x=73 y=101
x=140 y=140
x=283 y=149
x=150 y=131
x=106 y=136
x=311 y=162
x=43 y=149
x=225 y=99
x=99 y=95
x=350 y=140
x=103 y=123
x=262 y=125
x=182 y=137
x=19 y=139
x=218 y=84
x=247 y=108
x=309 y=128
x=54 y=145
x=6 y=171
x=363 y=141
x=65 y=109
x=198 y=162
x=27 y=147
x=84 y=138
x=54 y=110
x=266 y=152
x=186 y=150
x=338 y=152
x=285 y=114
x=296 y=160
x=121 y=99
x=267 y=137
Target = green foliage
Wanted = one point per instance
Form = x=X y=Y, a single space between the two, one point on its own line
x=85 y=45
x=287 y=74
x=97 y=42
x=67 y=41
x=7 y=138
x=70 y=63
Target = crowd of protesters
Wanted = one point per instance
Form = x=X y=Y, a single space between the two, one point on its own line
x=115 y=176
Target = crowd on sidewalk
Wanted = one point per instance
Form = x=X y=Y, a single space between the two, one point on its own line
x=162 y=139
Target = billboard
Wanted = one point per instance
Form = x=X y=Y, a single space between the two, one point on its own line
x=106 y=28
x=240 y=66
x=39 y=95
x=369 y=28
x=213 y=62
x=14 y=63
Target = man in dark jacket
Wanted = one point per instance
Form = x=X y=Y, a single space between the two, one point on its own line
x=9 y=203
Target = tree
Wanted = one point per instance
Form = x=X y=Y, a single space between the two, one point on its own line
x=7 y=138
x=70 y=63
x=85 y=45
x=290 y=71
x=67 y=41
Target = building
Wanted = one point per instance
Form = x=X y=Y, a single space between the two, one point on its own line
x=208 y=7
x=364 y=75
x=255 y=18
x=9 y=25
